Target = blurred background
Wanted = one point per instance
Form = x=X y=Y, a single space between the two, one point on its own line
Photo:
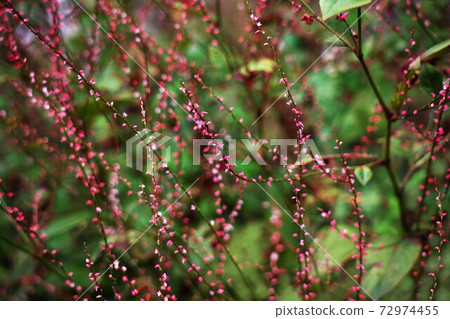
x=70 y=206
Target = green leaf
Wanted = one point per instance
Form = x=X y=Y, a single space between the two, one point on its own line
x=435 y=50
x=389 y=266
x=399 y=96
x=402 y=89
x=340 y=248
x=262 y=65
x=330 y=8
x=248 y=245
x=363 y=174
x=429 y=54
x=67 y=223
x=101 y=128
x=217 y=58
x=430 y=79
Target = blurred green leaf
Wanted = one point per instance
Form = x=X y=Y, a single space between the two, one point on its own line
x=435 y=50
x=67 y=223
x=262 y=65
x=392 y=265
x=339 y=248
x=331 y=8
x=430 y=79
x=102 y=128
x=431 y=53
x=402 y=90
x=218 y=59
x=248 y=244
x=363 y=174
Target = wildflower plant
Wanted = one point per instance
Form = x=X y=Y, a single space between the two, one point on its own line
x=224 y=150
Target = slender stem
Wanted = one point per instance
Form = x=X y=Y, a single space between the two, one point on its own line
x=218 y=6
x=421 y=24
x=359 y=48
x=389 y=118
x=387 y=112
x=359 y=55
x=42 y=260
x=438 y=119
x=219 y=239
x=355 y=41
x=325 y=25
x=388 y=115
